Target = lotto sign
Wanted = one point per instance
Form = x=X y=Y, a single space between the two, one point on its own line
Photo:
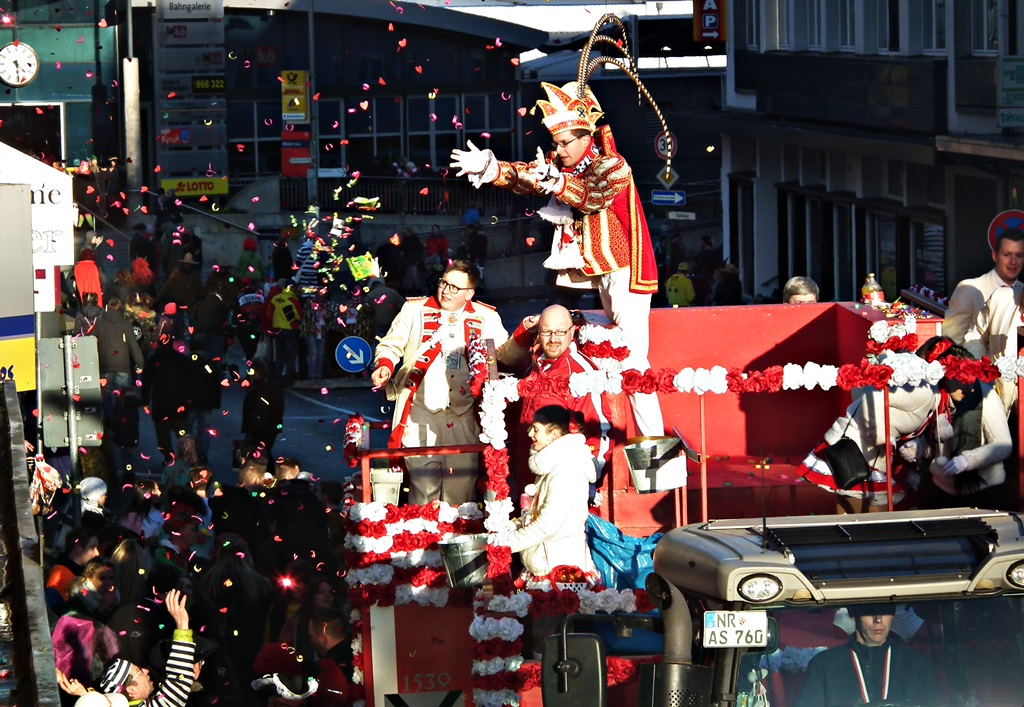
x=203 y=186
x=709 y=21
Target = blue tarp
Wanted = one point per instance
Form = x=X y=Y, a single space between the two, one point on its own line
x=624 y=563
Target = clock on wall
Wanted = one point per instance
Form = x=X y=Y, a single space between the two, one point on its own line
x=18 y=64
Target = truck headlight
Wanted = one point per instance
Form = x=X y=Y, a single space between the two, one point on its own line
x=1015 y=575
x=762 y=587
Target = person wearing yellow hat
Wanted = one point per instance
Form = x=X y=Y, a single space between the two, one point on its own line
x=680 y=289
x=601 y=237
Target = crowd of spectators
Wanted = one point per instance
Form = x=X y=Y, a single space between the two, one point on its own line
x=190 y=592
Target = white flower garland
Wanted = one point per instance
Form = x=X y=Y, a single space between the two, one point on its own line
x=499 y=514
x=496 y=396
x=497 y=665
x=881 y=331
x=486 y=627
x=495 y=698
x=592 y=334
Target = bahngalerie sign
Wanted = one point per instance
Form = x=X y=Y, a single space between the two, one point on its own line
x=190 y=9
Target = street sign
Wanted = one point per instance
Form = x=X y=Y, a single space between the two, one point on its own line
x=709 y=21
x=668 y=178
x=668 y=198
x=353 y=354
x=682 y=215
x=665 y=145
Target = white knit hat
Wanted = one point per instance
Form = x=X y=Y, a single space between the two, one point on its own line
x=93 y=488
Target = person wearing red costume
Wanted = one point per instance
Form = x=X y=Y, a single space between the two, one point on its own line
x=601 y=236
x=555 y=357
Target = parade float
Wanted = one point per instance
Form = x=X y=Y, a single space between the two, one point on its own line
x=747 y=396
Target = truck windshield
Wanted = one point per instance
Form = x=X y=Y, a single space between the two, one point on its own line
x=938 y=652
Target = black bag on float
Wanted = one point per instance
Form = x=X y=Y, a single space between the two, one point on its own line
x=847 y=462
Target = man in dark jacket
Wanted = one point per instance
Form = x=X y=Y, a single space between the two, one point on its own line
x=119 y=352
x=167 y=387
x=262 y=410
x=870 y=668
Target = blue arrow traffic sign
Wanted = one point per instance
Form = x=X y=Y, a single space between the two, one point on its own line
x=668 y=198
x=353 y=354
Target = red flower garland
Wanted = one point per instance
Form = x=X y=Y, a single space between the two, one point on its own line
x=894 y=343
x=604 y=350
x=967 y=371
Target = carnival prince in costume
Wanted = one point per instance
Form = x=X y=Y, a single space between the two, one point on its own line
x=601 y=237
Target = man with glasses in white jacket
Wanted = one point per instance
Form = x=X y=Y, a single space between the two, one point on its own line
x=423 y=360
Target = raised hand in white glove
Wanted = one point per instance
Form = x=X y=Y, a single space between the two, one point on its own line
x=479 y=165
x=956 y=465
x=912 y=449
x=548 y=176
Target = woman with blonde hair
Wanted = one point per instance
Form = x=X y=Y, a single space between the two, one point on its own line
x=131 y=565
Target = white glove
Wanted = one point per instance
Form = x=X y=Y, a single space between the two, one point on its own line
x=548 y=176
x=911 y=449
x=479 y=165
x=956 y=465
x=945 y=428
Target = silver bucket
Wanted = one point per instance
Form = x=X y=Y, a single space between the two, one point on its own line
x=465 y=560
x=655 y=463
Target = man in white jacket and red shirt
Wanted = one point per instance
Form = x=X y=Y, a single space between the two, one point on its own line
x=555 y=357
x=423 y=361
x=601 y=238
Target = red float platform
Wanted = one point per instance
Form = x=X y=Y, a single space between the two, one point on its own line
x=735 y=431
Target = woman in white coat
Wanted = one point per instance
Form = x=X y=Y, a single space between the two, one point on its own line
x=553 y=531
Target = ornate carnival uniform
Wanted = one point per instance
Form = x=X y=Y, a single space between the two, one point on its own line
x=431 y=390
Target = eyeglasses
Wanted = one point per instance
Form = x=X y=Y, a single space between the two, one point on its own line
x=130 y=682
x=564 y=143
x=556 y=333
x=445 y=286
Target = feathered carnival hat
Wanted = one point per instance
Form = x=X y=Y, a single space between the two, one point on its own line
x=565 y=110
x=573 y=106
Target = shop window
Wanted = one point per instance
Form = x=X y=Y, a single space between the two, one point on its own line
x=359 y=116
x=847 y=25
x=929 y=265
x=784 y=31
x=984 y=27
x=752 y=24
x=813 y=17
x=934 y=30
x=888 y=19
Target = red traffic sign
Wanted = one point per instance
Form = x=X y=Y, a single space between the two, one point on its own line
x=1012 y=220
x=709 y=21
x=665 y=145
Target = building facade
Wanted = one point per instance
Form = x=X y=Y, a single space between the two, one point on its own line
x=868 y=136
